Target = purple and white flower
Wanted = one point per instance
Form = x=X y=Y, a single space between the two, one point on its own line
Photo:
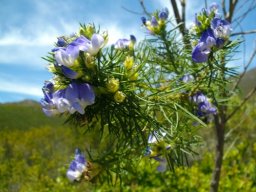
x=215 y=35
x=75 y=97
x=187 y=78
x=125 y=43
x=163 y=15
x=221 y=28
x=80 y=96
x=202 y=50
x=154 y=138
x=67 y=56
x=203 y=104
x=77 y=167
x=92 y=47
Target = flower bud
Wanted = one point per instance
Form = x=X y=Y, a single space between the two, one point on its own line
x=128 y=63
x=89 y=63
x=119 y=96
x=134 y=77
x=87 y=31
x=112 y=85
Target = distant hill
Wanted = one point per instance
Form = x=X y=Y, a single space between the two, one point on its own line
x=248 y=81
x=24 y=115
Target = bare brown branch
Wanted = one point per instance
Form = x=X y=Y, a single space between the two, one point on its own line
x=219 y=129
x=144 y=8
x=232 y=6
x=224 y=7
x=177 y=16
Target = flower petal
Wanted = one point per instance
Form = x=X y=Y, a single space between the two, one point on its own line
x=97 y=42
x=200 y=53
x=69 y=73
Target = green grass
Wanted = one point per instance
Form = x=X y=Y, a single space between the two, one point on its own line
x=25 y=115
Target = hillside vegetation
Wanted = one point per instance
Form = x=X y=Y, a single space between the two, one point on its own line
x=35 y=152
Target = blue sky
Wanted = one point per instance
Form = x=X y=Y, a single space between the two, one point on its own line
x=28 y=30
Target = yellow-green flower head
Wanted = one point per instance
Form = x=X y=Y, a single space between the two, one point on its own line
x=119 y=96
x=89 y=63
x=159 y=116
x=112 y=85
x=128 y=63
x=134 y=76
x=87 y=30
x=157 y=22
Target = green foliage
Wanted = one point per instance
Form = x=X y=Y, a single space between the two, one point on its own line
x=36 y=159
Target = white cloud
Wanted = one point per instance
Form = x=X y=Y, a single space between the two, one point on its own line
x=40 y=36
x=18 y=87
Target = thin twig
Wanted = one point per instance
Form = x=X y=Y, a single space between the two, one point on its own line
x=244 y=32
x=240 y=18
x=242 y=103
x=144 y=8
x=183 y=18
x=205 y=4
x=245 y=69
x=224 y=8
x=131 y=11
x=177 y=16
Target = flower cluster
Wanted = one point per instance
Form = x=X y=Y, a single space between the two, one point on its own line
x=75 y=97
x=78 y=75
x=204 y=107
x=157 y=22
x=212 y=31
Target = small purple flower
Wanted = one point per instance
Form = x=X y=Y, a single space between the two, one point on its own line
x=133 y=39
x=162 y=163
x=154 y=22
x=143 y=20
x=200 y=53
x=47 y=104
x=80 y=96
x=122 y=44
x=208 y=38
x=187 y=78
x=125 y=43
x=202 y=50
x=76 y=97
x=221 y=28
x=163 y=15
x=67 y=56
x=207 y=108
x=153 y=139
x=214 y=7
x=199 y=97
x=77 y=167
x=204 y=105
x=92 y=47
x=61 y=42
x=69 y=73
